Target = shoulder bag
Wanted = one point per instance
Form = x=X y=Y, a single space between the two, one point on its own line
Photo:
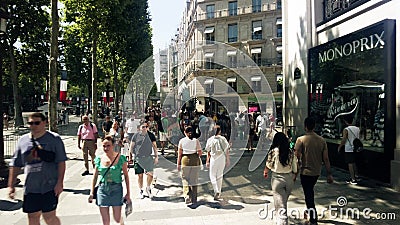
x=96 y=188
x=357 y=144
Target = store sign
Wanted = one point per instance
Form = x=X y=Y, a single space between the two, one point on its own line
x=363 y=44
x=343 y=109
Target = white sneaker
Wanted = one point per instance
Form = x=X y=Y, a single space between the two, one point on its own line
x=141 y=196
x=148 y=191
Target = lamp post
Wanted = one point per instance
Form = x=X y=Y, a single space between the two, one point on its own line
x=107 y=80
x=3 y=22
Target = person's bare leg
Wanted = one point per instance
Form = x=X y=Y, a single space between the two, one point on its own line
x=34 y=218
x=105 y=215
x=117 y=214
x=51 y=218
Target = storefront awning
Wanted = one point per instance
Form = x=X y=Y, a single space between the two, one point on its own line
x=231 y=53
x=209 y=30
x=255 y=78
x=257 y=28
x=279 y=48
x=208 y=54
x=255 y=50
x=231 y=79
x=209 y=81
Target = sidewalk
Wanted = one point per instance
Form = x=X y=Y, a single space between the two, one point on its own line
x=247 y=196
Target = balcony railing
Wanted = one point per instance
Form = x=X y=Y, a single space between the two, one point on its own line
x=240 y=11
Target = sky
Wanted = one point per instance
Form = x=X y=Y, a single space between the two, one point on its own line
x=166 y=15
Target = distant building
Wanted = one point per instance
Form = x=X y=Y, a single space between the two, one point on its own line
x=220 y=76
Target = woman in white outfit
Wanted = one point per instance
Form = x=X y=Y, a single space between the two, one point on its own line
x=217 y=148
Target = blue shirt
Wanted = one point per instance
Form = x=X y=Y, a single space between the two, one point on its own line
x=41 y=176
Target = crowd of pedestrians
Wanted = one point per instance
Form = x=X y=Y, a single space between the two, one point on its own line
x=191 y=134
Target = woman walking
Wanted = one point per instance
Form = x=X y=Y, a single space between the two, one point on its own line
x=189 y=152
x=117 y=133
x=110 y=166
x=283 y=164
x=217 y=148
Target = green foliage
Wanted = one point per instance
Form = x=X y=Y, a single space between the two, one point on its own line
x=124 y=39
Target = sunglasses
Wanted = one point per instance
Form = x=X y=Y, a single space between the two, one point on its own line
x=144 y=127
x=34 y=122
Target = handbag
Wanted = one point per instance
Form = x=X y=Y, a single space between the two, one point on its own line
x=357 y=144
x=96 y=188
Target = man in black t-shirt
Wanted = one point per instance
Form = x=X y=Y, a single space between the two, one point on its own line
x=106 y=126
x=143 y=144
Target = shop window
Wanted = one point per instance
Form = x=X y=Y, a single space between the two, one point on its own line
x=350 y=80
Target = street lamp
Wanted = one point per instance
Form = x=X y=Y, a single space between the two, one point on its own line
x=3 y=22
x=107 y=80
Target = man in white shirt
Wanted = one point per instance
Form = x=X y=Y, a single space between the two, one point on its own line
x=131 y=126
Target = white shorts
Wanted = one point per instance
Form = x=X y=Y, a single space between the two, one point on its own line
x=163 y=136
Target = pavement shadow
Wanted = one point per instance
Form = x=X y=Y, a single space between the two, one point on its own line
x=223 y=204
x=6 y=205
x=78 y=191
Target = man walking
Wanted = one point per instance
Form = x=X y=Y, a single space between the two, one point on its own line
x=87 y=133
x=131 y=126
x=106 y=126
x=42 y=154
x=311 y=150
x=142 y=145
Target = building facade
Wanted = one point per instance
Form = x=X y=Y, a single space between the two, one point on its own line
x=230 y=53
x=340 y=60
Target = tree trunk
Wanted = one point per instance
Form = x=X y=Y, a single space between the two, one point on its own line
x=115 y=77
x=17 y=100
x=53 y=115
x=94 y=80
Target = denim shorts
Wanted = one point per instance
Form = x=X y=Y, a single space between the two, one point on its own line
x=109 y=194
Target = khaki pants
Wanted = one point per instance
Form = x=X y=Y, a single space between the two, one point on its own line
x=89 y=148
x=190 y=176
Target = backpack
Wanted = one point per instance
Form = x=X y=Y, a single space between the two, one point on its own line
x=357 y=144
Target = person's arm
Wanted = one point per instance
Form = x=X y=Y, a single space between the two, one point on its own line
x=79 y=137
x=132 y=149
x=325 y=156
x=198 y=148
x=94 y=182
x=266 y=171
x=155 y=152
x=13 y=171
x=227 y=155
x=179 y=160
x=344 y=139
x=126 y=177
x=208 y=159
x=60 y=181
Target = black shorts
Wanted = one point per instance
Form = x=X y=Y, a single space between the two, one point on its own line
x=350 y=157
x=34 y=202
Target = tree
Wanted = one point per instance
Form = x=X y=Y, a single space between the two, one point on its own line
x=121 y=33
x=53 y=67
x=28 y=26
